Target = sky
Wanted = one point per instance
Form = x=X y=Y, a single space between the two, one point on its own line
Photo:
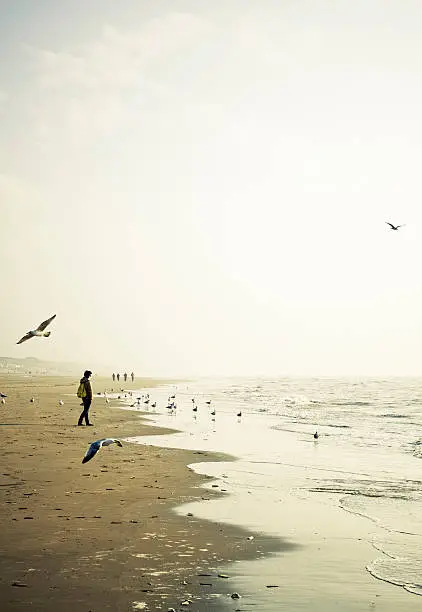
x=201 y=188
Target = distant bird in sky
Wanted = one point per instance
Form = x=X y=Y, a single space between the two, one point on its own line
x=95 y=447
x=38 y=332
x=394 y=227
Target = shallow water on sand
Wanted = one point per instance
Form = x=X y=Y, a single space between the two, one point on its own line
x=351 y=499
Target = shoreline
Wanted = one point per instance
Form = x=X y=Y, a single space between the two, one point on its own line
x=287 y=486
x=116 y=542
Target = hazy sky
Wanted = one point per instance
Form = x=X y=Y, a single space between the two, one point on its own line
x=201 y=187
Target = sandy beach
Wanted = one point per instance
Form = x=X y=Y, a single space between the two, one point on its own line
x=135 y=528
x=102 y=536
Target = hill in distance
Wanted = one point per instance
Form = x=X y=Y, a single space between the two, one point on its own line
x=32 y=365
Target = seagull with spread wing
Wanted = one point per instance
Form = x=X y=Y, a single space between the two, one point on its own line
x=39 y=331
x=95 y=447
x=394 y=227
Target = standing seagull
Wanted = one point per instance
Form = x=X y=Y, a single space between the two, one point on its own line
x=39 y=331
x=95 y=447
x=394 y=227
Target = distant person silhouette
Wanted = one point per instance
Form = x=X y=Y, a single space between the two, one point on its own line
x=113 y=376
x=125 y=376
x=118 y=376
x=132 y=376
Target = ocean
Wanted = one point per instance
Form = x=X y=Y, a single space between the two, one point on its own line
x=349 y=501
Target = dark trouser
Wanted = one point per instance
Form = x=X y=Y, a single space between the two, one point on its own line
x=84 y=413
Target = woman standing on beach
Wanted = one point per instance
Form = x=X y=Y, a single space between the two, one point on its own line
x=85 y=392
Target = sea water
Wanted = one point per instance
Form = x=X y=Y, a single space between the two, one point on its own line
x=350 y=500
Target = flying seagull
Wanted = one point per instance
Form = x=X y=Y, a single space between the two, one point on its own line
x=95 y=447
x=39 y=331
x=394 y=227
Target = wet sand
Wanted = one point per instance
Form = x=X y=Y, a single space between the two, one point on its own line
x=277 y=487
x=103 y=536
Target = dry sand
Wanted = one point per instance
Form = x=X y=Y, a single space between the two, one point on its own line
x=101 y=536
